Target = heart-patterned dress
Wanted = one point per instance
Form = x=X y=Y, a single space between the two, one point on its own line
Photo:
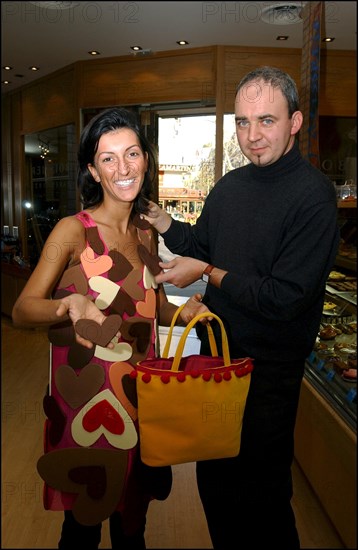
x=91 y=462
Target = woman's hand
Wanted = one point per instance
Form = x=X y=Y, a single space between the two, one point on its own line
x=194 y=307
x=79 y=307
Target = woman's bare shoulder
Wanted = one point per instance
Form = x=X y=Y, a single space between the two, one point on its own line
x=69 y=233
x=70 y=225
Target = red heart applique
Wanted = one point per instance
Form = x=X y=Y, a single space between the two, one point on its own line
x=104 y=414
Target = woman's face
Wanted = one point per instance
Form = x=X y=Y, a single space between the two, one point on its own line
x=120 y=164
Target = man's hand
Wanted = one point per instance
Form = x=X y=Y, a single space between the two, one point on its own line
x=157 y=217
x=182 y=271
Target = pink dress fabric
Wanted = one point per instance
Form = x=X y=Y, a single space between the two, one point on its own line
x=78 y=431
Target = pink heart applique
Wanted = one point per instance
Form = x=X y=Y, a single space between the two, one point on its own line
x=95 y=266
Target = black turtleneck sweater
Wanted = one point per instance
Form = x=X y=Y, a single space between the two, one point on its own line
x=274 y=229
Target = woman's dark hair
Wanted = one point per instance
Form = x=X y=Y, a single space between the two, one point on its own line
x=91 y=192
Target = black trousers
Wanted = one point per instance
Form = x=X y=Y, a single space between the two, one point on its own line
x=76 y=535
x=246 y=499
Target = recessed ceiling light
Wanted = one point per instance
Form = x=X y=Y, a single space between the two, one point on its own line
x=6 y=82
x=328 y=39
x=33 y=68
x=94 y=52
x=136 y=48
x=182 y=42
x=282 y=37
x=7 y=68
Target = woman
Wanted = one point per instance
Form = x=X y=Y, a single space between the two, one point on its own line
x=94 y=287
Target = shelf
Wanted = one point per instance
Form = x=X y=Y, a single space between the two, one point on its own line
x=347 y=263
x=347 y=204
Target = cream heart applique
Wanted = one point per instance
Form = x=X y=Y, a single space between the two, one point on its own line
x=148 y=279
x=107 y=291
x=95 y=265
x=104 y=415
x=121 y=352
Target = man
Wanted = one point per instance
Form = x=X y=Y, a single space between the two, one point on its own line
x=265 y=242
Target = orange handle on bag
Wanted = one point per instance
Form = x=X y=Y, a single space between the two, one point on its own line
x=212 y=342
x=213 y=348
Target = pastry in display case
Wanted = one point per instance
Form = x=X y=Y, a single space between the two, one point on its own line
x=332 y=365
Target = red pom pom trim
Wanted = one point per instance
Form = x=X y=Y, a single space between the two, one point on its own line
x=165 y=378
x=133 y=374
x=181 y=376
x=194 y=373
x=227 y=375
x=217 y=377
x=146 y=377
x=206 y=376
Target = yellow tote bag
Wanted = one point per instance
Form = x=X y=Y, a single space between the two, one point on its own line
x=191 y=408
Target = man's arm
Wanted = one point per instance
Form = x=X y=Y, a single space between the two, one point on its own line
x=183 y=271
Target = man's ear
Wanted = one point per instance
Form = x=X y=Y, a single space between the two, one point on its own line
x=296 y=122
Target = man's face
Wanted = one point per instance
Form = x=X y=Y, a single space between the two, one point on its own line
x=263 y=128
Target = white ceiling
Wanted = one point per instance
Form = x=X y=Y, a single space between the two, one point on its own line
x=59 y=33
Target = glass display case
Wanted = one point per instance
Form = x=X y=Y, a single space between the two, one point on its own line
x=50 y=188
x=331 y=368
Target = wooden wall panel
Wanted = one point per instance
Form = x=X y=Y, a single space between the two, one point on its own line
x=239 y=61
x=49 y=102
x=338 y=75
x=157 y=78
x=338 y=83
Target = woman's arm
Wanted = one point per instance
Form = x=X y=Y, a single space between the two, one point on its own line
x=166 y=309
x=34 y=307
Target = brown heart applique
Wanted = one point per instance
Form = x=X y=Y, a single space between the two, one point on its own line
x=62 y=334
x=57 y=420
x=130 y=389
x=94 y=240
x=140 y=223
x=74 y=276
x=149 y=259
x=131 y=286
x=145 y=238
x=92 y=476
x=99 y=334
x=78 y=356
x=123 y=304
x=138 y=333
x=75 y=389
x=95 y=476
x=121 y=266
